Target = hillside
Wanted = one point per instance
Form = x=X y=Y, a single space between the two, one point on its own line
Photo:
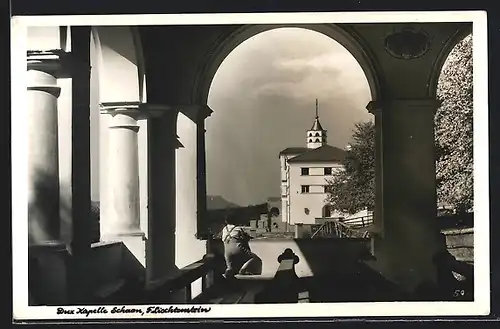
x=218 y=202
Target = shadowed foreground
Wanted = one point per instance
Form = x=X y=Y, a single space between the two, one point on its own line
x=307 y=271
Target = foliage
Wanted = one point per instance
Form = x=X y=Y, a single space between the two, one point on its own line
x=274 y=211
x=454 y=131
x=353 y=189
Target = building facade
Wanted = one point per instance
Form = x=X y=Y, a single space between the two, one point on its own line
x=305 y=173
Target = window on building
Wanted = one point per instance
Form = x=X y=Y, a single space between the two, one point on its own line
x=317 y=140
x=317 y=135
x=328 y=171
x=304 y=171
x=310 y=135
x=305 y=188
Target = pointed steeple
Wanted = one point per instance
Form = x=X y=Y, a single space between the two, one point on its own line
x=316 y=125
x=316 y=136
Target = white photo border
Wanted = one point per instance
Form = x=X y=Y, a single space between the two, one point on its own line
x=481 y=303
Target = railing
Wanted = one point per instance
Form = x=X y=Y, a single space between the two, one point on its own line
x=177 y=289
x=335 y=228
x=285 y=287
x=359 y=222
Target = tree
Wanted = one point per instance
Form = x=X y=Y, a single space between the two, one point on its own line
x=353 y=189
x=454 y=131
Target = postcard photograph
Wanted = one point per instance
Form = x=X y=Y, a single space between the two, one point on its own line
x=250 y=165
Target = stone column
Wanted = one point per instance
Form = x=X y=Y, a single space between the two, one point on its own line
x=202 y=114
x=162 y=144
x=43 y=157
x=47 y=252
x=80 y=140
x=406 y=189
x=121 y=221
x=190 y=185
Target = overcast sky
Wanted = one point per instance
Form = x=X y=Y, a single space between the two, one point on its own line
x=263 y=98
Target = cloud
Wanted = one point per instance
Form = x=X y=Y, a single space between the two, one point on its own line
x=263 y=97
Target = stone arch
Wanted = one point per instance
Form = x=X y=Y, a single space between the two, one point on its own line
x=458 y=36
x=228 y=43
x=120 y=64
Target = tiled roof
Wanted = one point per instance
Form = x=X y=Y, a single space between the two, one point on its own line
x=325 y=153
x=294 y=150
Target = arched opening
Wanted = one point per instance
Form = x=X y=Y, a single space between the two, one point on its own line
x=326 y=211
x=436 y=73
x=454 y=132
x=260 y=111
x=317 y=135
x=341 y=35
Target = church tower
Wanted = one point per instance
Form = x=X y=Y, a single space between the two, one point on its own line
x=316 y=136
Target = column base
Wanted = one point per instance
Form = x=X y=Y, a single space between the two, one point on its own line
x=133 y=261
x=135 y=243
x=41 y=247
x=47 y=273
x=402 y=263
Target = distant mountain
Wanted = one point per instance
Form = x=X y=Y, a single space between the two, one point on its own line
x=213 y=202
x=218 y=202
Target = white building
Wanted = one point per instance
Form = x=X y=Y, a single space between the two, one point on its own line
x=305 y=172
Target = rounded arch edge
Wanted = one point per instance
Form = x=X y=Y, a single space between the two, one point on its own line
x=110 y=63
x=141 y=65
x=453 y=40
x=227 y=42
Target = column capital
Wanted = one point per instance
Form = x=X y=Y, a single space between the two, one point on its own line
x=413 y=104
x=42 y=81
x=197 y=112
x=137 y=109
x=113 y=108
x=54 y=62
